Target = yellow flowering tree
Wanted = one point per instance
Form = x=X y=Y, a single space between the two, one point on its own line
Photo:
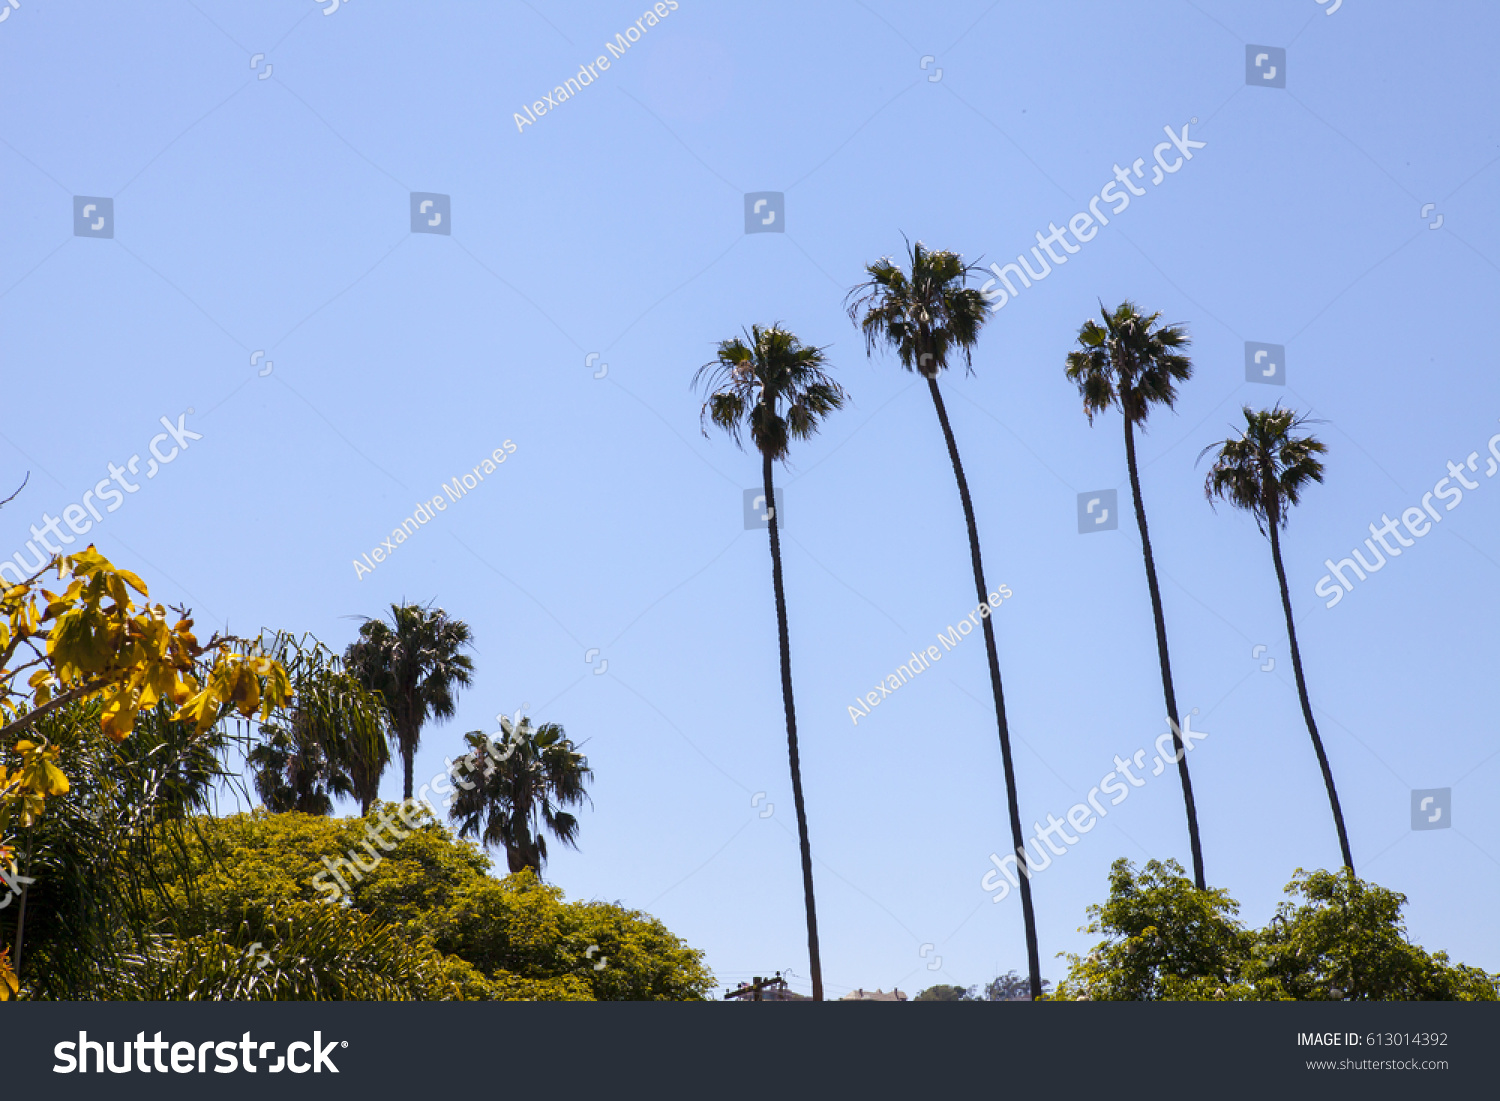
x=92 y=639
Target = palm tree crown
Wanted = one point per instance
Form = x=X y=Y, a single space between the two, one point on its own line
x=1267 y=468
x=923 y=314
x=1128 y=364
x=414 y=662
x=770 y=383
x=511 y=792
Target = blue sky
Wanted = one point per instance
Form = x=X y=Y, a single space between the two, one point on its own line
x=272 y=215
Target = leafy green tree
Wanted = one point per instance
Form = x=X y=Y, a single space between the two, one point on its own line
x=1165 y=939
x=510 y=939
x=926 y=314
x=416 y=663
x=1345 y=939
x=1265 y=471
x=329 y=742
x=779 y=390
x=520 y=926
x=1130 y=363
x=1336 y=938
x=942 y=993
x=512 y=797
x=1011 y=987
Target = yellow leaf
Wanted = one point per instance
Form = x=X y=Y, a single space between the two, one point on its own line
x=134 y=582
x=57 y=783
x=9 y=985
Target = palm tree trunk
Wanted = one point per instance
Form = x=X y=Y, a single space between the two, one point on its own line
x=1174 y=716
x=1033 y=960
x=408 y=739
x=1312 y=727
x=15 y=962
x=815 y=961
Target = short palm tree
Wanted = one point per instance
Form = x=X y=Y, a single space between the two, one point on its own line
x=1264 y=471
x=926 y=314
x=511 y=794
x=778 y=389
x=331 y=741
x=415 y=663
x=1131 y=364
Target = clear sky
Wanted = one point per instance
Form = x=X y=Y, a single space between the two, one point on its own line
x=262 y=204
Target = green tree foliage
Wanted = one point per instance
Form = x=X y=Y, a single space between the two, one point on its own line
x=1166 y=939
x=510 y=939
x=1339 y=938
x=322 y=953
x=941 y=993
x=1344 y=938
x=1011 y=987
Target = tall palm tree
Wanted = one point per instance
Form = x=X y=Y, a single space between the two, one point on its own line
x=779 y=390
x=414 y=662
x=927 y=313
x=512 y=794
x=331 y=740
x=1264 y=471
x=1130 y=364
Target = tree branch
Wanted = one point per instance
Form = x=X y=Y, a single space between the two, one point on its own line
x=30 y=719
x=20 y=487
